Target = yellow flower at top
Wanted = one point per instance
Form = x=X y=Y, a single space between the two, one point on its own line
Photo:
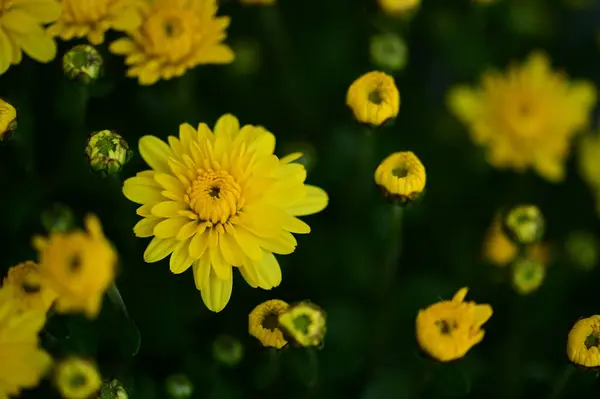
x=31 y=291
x=263 y=323
x=21 y=29
x=526 y=117
x=448 y=329
x=175 y=35
x=374 y=98
x=222 y=200
x=79 y=266
x=583 y=343
x=8 y=119
x=77 y=378
x=398 y=7
x=401 y=176
x=93 y=18
x=22 y=362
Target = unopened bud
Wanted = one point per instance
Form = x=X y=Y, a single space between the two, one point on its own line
x=524 y=224
x=582 y=250
x=83 y=62
x=228 y=350
x=179 y=386
x=112 y=390
x=388 y=51
x=8 y=120
x=304 y=323
x=527 y=275
x=107 y=152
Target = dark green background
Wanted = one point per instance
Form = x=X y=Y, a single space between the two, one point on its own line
x=310 y=51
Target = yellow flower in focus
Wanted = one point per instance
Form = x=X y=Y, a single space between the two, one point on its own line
x=31 y=292
x=220 y=200
x=528 y=275
x=93 y=18
x=397 y=7
x=21 y=29
x=22 y=362
x=583 y=344
x=258 y=2
x=448 y=329
x=175 y=35
x=498 y=249
x=79 y=266
x=8 y=119
x=401 y=176
x=526 y=117
x=263 y=323
x=305 y=323
x=77 y=378
x=374 y=98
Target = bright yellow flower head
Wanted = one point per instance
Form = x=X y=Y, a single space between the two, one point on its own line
x=22 y=362
x=263 y=323
x=77 y=378
x=526 y=117
x=31 y=291
x=401 y=176
x=175 y=35
x=222 y=199
x=21 y=29
x=396 y=7
x=374 y=98
x=8 y=118
x=79 y=266
x=92 y=18
x=448 y=329
x=498 y=249
x=583 y=344
x=305 y=323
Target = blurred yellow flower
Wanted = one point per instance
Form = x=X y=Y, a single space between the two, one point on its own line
x=305 y=323
x=93 y=18
x=526 y=117
x=77 y=378
x=589 y=164
x=21 y=29
x=401 y=176
x=395 y=7
x=498 y=249
x=583 y=344
x=260 y=2
x=79 y=266
x=528 y=275
x=31 y=291
x=175 y=35
x=448 y=329
x=263 y=323
x=222 y=199
x=22 y=362
x=8 y=118
x=374 y=98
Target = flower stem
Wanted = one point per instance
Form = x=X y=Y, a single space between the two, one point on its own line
x=562 y=382
x=114 y=295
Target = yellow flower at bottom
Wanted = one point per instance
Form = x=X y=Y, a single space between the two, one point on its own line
x=77 y=378
x=79 y=266
x=373 y=98
x=31 y=292
x=401 y=176
x=583 y=343
x=8 y=119
x=22 y=362
x=263 y=323
x=448 y=329
x=398 y=7
x=305 y=323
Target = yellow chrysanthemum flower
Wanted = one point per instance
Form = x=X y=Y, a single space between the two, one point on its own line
x=527 y=117
x=93 y=18
x=583 y=344
x=175 y=35
x=79 y=266
x=21 y=29
x=448 y=329
x=396 y=7
x=77 y=378
x=401 y=176
x=374 y=98
x=263 y=323
x=222 y=199
x=22 y=362
x=31 y=291
x=305 y=323
x=8 y=119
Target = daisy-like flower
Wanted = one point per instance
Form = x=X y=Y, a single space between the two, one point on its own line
x=583 y=344
x=79 y=266
x=21 y=29
x=175 y=35
x=31 y=292
x=220 y=200
x=448 y=329
x=263 y=323
x=401 y=176
x=373 y=98
x=22 y=362
x=526 y=117
x=305 y=323
x=77 y=378
x=8 y=118
x=93 y=18
x=398 y=7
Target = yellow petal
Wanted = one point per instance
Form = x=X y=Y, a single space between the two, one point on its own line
x=460 y=295
x=201 y=268
x=155 y=152
x=268 y=271
x=40 y=47
x=264 y=220
x=216 y=293
x=159 y=249
x=464 y=102
x=290 y=157
x=187 y=230
x=249 y=275
x=170 y=183
x=5 y=52
x=198 y=245
x=227 y=125
x=170 y=227
x=248 y=242
x=122 y=46
x=168 y=209
x=141 y=194
x=316 y=200
x=145 y=227
x=284 y=244
x=231 y=251
x=220 y=266
x=19 y=21
x=180 y=261
x=295 y=225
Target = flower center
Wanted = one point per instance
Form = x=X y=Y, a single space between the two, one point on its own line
x=215 y=196
x=446 y=326
x=375 y=97
x=172 y=33
x=302 y=323
x=5 y=5
x=270 y=321
x=400 y=171
x=592 y=340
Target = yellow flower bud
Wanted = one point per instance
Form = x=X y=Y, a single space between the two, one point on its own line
x=388 y=51
x=83 y=62
x=179 y=386
x=399 y=7
x=263 y=323
x=374 y=98
x=77 y=378
x=8 y=120
x=107 y=152
x=528 y=275
x=305 y=323
x=401 y=176
x=583 y=344
x=228 y=350
x=524 y=224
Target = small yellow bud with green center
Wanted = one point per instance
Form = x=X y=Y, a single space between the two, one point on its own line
x=8 y=120
x=77 y=378
x=581 y=249
x=112 y=390
x=83 y=62
x=305 y=324
x=58 y=218
x=524 y=224
x=107 y=152
x=388 y=51
x=179 y=386
x=527 y=275
x=228 y=350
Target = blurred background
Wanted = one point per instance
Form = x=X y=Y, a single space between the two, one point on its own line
x=294 y=63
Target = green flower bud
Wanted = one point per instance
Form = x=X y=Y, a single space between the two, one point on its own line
x=107 y=152
x=304 y=323
x=112 y=390
x=179 y=386
x=58 y=218
x=8 y=120
x=83 y=62
x=389 y=51
x=527 y=275
x=524 y=224
x=228 y=350
x=582 y=250
x=247 y=57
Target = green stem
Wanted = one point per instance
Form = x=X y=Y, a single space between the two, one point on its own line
x=562 y=382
